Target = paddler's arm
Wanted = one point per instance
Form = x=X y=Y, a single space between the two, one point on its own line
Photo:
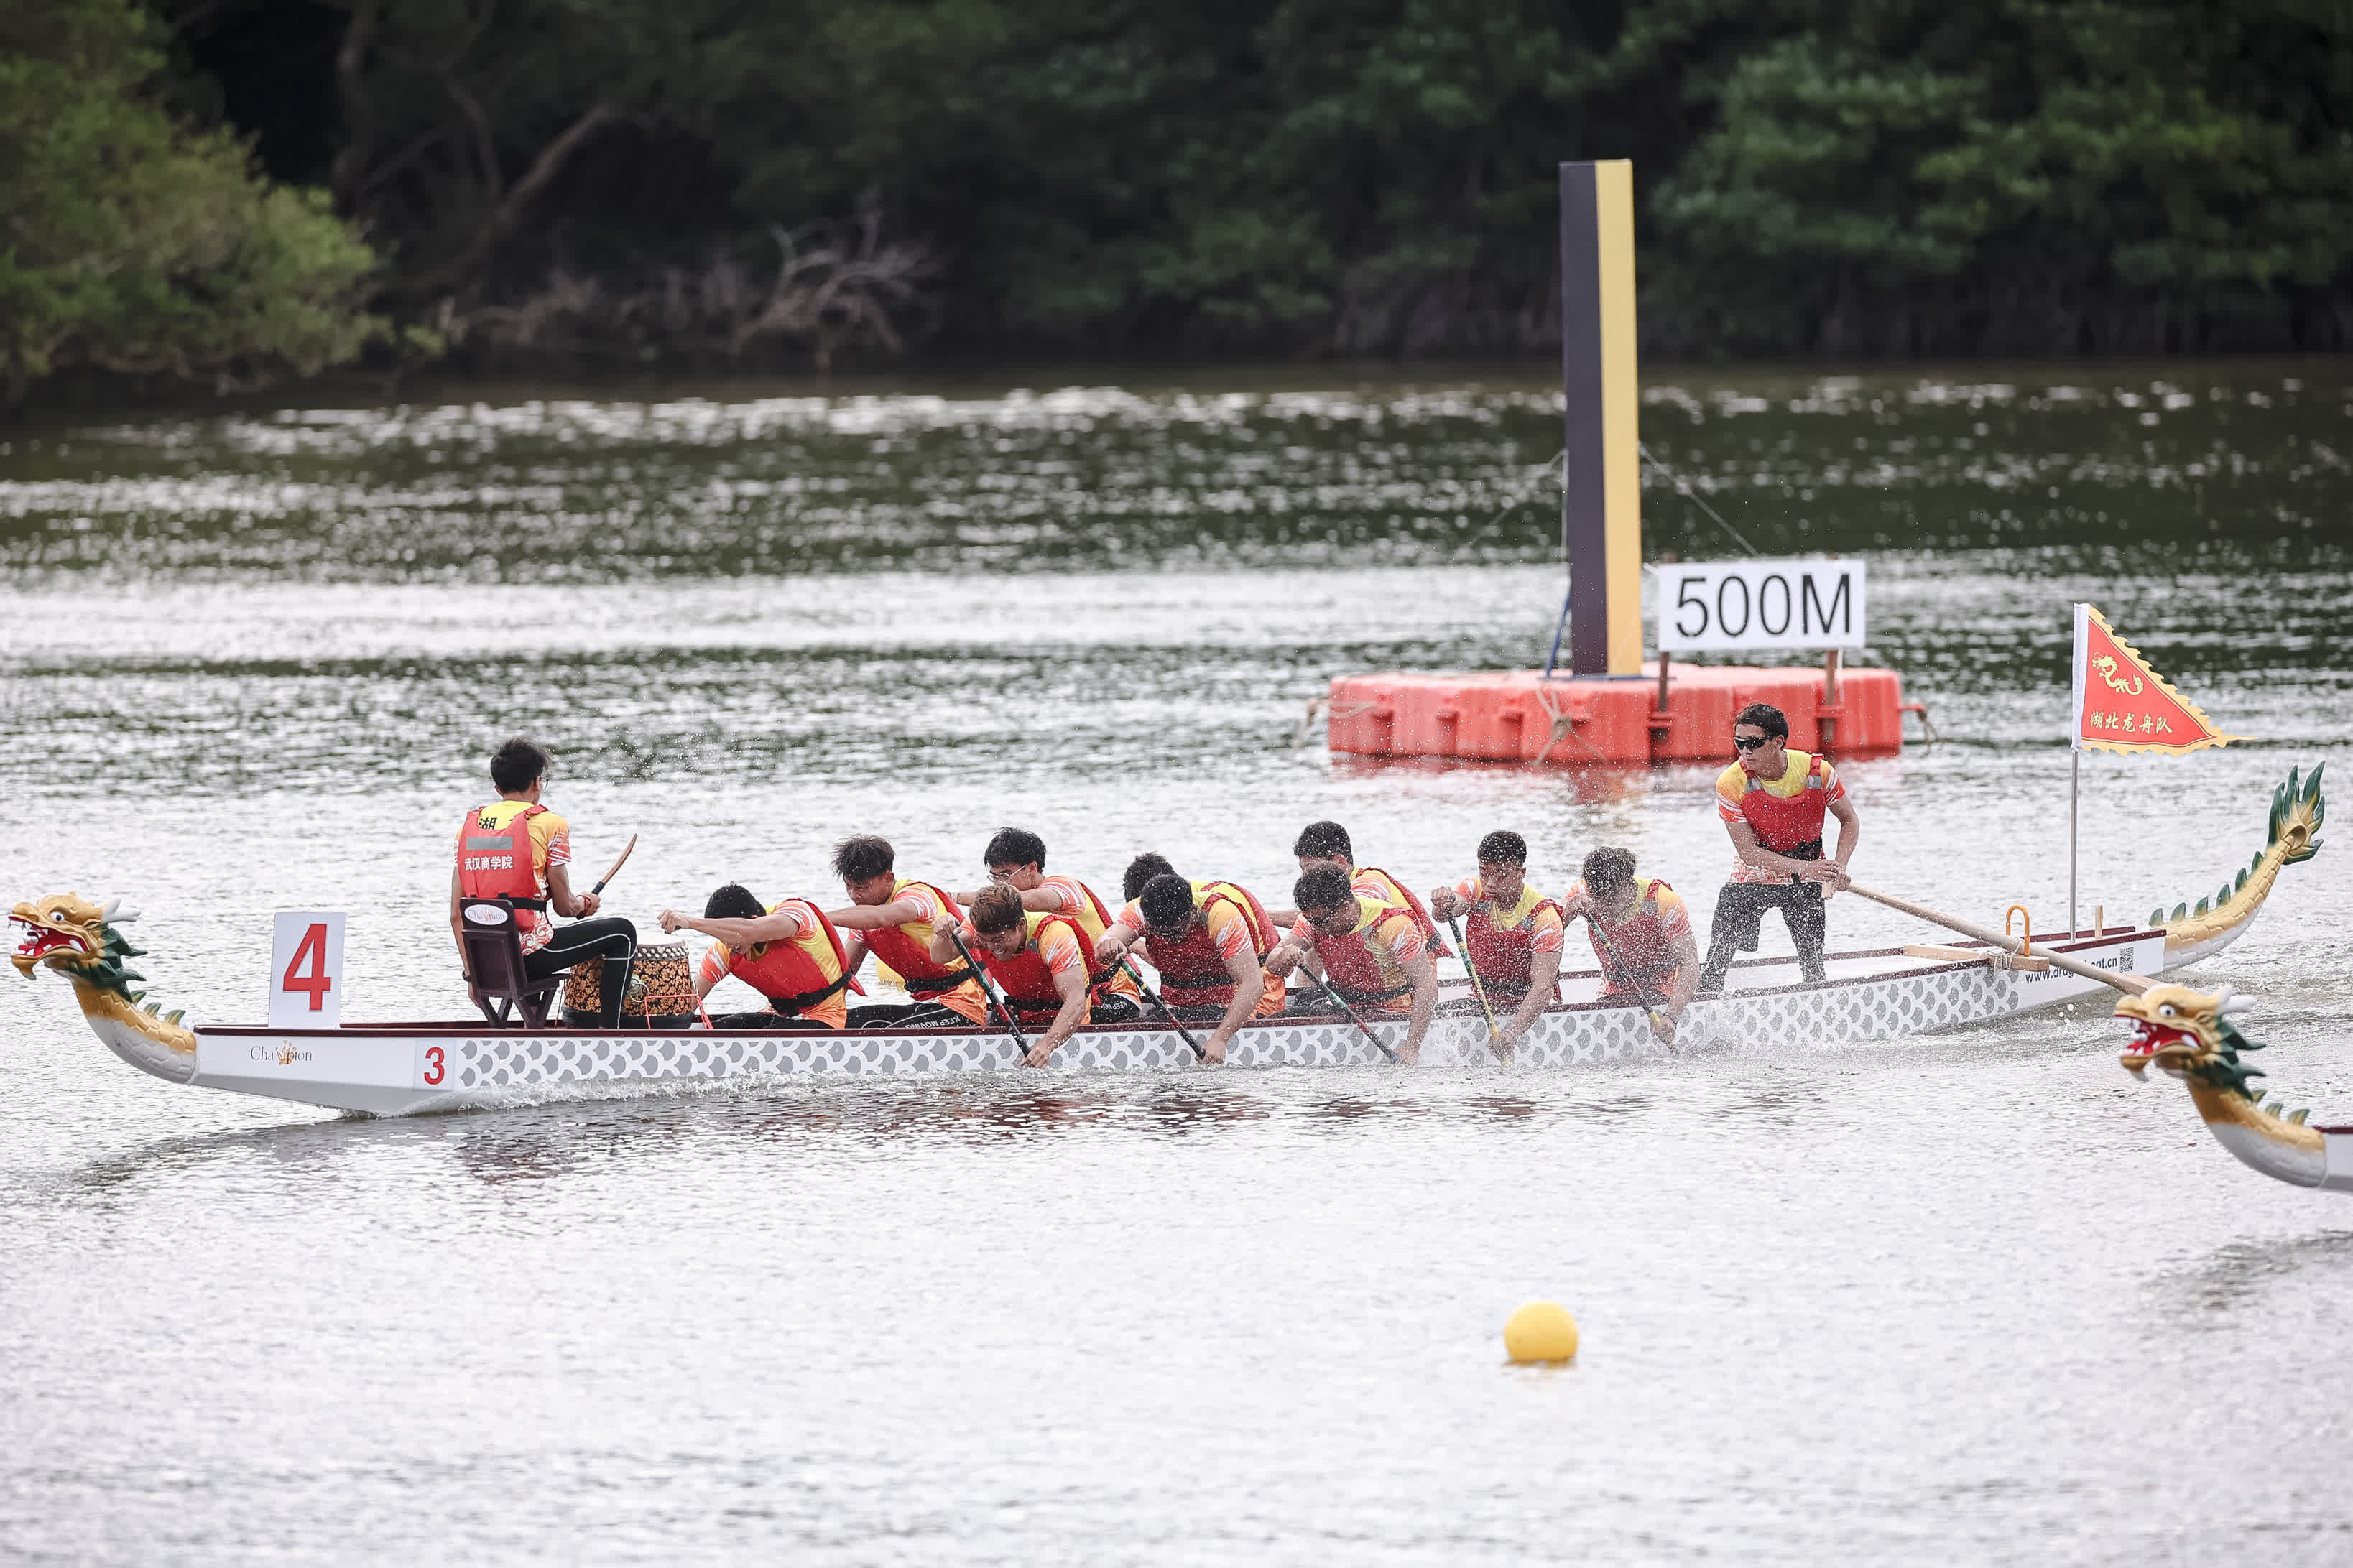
x=1117 y=938
x=739 y=935
x=943 y=948
x=1070 y=985
x=1544 y=973
x=1445 y=904
x=1686 y=986
x=877 y=917
x=1249 y=986
x=1044 y=900
x=1293 y=952
x=1423 y=972
x=1850 y=835
x=853 y=954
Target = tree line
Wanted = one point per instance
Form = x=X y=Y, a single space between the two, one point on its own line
x=231 y=189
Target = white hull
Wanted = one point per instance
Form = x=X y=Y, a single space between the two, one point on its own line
x=405 y=1069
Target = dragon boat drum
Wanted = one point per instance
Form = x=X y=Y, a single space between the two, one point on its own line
x=660 y=993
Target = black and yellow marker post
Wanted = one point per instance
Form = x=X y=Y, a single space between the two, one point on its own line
x=1601 y=518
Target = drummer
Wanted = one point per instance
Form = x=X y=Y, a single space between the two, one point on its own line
x=1642 y=934
x=1772 y=801
x=787 y=951
x=1513 y=933
x=517 y=852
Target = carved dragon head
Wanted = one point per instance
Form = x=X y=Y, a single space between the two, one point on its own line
x=77 y=939
x=2189 y=1035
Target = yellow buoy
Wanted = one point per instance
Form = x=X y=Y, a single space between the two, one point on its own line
x=1540 y=1330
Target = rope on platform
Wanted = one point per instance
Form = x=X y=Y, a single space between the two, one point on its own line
x=1564 y=728
x=1324 y=705
x=1683 y=487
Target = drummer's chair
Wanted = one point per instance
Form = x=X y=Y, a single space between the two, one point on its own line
x=495 y=976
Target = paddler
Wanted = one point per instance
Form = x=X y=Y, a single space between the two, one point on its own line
x=1772 y=800
x=895 y=918
x=1322 y=845
x=1207 y=940
x=1641 y=932
x=1015 y=858
x=1372 y=955
x=518 y=852
x=1513 y=933
x=1042 y=962
x=787 y=951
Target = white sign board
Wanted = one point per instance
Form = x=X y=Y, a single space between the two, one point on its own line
x=1712 y=608
x=306 y=972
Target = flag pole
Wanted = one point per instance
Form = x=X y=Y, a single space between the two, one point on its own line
x=2075 y=793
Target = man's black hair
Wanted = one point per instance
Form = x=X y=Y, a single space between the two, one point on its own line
x=1766 y=717
x=1503 y=847
x=1167 y=902
x=1325 y=888
x=733 y=902
x=998 y=908
x=863 y=858
x=1142 y=870
x=1015 y=847
x=1608 y=869
x=1325 y=840
x=517 y=765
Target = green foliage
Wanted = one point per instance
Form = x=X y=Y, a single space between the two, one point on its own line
x=129 y=243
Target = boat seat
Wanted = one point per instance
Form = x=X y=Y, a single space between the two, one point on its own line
x=495 y=976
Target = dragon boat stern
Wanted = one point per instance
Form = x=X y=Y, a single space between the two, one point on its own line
x=78 y=939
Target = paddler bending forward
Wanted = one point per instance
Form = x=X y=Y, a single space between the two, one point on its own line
x=1042 y=964
x=787 y=951
x=1772 y=801
x=1206 y=939
x=1016 y=858
x=1372 y=955
x=1642 y=934
x=1513 y=933
x=516 y=852
x=895 y=918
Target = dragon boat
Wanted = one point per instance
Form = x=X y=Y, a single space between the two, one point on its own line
x=397 y=1069
x=2189 y=1035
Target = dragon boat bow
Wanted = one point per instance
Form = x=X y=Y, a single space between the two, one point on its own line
x=404 y=1068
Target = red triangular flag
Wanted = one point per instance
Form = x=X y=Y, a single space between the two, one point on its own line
x=2122 y=705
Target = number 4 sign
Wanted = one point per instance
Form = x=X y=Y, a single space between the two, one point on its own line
x=306 y=972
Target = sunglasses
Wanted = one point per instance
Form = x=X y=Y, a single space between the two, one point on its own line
x=1749 y=743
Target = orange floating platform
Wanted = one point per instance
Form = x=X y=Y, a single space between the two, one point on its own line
x=1519 y=716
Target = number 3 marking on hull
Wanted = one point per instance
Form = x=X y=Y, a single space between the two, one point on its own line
x=433 y=1059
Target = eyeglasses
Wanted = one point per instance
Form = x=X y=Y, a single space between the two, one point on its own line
x=1748 y=742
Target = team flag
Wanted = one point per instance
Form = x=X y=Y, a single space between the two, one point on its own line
x=2122 y=705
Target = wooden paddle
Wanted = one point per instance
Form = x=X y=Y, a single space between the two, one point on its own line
x=2130 y=985
x=1478 y=989
x=616 y=865
x=1004 y=1010
x=1201 y=1052
x=1618 y=973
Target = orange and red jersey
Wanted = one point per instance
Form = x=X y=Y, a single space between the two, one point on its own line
x=1193 y=970
x=907 y=949
x=1372 y=882
x=1080 y=904
x=1503 y=942
x=493 y=861
x=1642 y=946
x=1367 y=964
x=801 y=974
x=1054 y=945
x=1786 y=813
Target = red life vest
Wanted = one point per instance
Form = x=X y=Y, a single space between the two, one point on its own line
x=1358 y=973
x=911 y=959
x=1192 y=972
x=1504 y=955
x=1025 y=978
x=1422 y=922
x=1788 y=825
x=1635 y=951
x=496 y=863
x=793 y=975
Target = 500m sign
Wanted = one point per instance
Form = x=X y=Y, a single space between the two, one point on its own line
x=1759 y=605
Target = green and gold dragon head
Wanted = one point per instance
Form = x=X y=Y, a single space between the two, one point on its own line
x=2188 y=1034
x=78 y=939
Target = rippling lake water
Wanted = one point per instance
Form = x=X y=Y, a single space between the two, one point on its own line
x=1971 y=1297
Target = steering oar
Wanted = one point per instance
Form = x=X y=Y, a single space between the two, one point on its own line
x=2130 y=985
